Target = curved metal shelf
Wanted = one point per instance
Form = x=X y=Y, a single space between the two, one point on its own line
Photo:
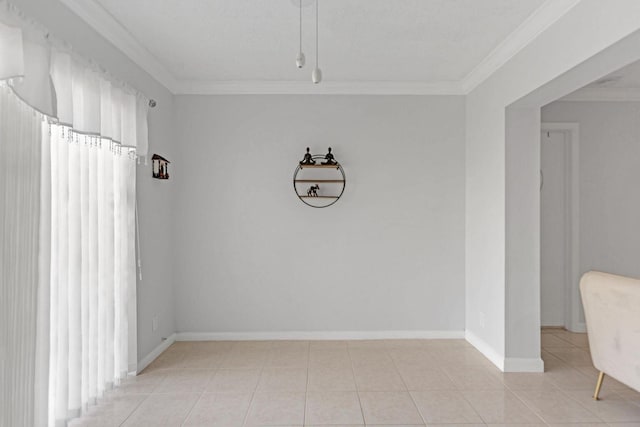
x=306 y=199
x=318 y=180
x=337 y=166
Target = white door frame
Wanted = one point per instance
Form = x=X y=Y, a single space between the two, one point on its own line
x=573 y=301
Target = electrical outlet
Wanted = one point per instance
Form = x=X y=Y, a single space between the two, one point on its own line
x=154 y=324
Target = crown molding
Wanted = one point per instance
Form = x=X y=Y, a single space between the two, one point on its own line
x=599 y=94
x=108 y=27
x=189 y=87
x=541 y=19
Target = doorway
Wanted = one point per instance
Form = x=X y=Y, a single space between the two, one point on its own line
x=560 y=304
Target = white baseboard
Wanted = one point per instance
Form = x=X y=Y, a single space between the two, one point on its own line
x=484 y=348
x=505 y=364
x=580 y=328
x=317 y=335
x=146 y=361
x=518 y=364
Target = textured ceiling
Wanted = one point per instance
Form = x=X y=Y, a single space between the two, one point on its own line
x=360 y=40
x=625 y=78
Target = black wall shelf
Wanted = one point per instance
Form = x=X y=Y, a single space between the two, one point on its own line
x=322 y=188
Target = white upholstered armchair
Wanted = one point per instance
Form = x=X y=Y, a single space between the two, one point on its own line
x=612 y=310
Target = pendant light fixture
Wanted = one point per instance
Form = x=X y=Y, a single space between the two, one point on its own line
x=300 y=60
x=316 y=75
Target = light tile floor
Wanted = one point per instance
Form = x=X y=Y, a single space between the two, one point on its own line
x=353 y=383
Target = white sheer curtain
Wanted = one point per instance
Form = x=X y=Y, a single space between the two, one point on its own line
x=67 y=250
x=93 y=105
x=20 y=139
x=92 y=268
x=68 y=88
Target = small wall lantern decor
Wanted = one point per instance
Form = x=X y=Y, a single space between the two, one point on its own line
x=314 y=169
x=160 y=168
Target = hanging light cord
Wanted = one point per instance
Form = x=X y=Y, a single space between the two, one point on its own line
x=300 y=50
x=138 y=244
x=317 y=2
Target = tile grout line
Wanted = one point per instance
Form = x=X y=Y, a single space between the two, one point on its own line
x=531 y=408
x=564 y=392
x=306 y=388
x=424 y=421
x=193 y=406
x=253 y=394
x=560 y=338
x=355 y=383
x=558 y=389
x=135 y=409
x=514 y=392
x=143 y=400
x=199 y=398
x=461 y=391
x=473 y=407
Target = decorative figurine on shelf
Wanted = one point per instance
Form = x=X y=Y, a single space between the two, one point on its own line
x=330 y=160
x=308 y=159
x=313 y=191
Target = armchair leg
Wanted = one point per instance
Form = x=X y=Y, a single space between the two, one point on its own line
x=598 y=385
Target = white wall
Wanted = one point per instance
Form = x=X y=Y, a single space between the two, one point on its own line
x=155 y=295
x=522 y=246
x=388 y=256
x=499 y=317
x=609 y=177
